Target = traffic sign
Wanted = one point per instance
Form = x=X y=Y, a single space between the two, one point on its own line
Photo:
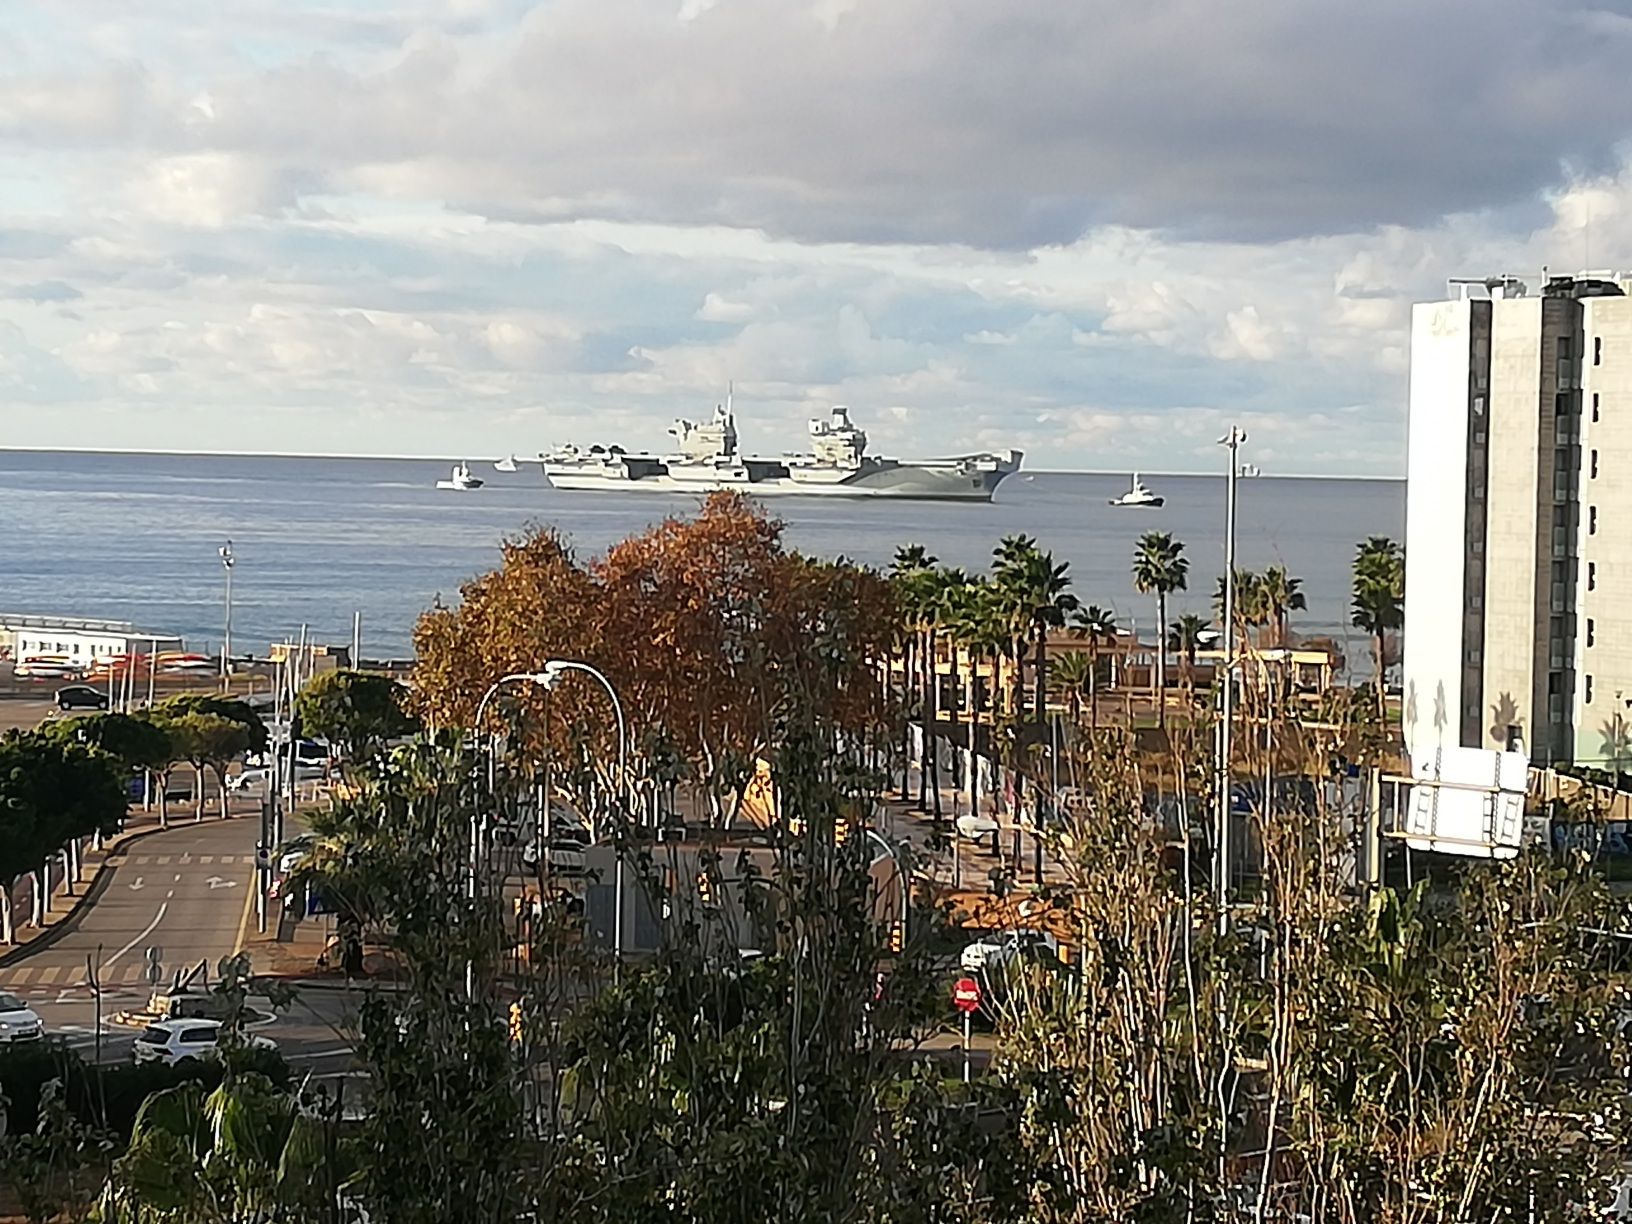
x=966 y=995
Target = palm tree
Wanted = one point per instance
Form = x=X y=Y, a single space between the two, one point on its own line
x=1098 y=626
x=938 y=587
x=1250 y=603
x=971 y=625
x=1072 y=676
x=1160 y=568
x=1279 y=596
x=1185 y=638
x=1035 y=592
x=1378 y=603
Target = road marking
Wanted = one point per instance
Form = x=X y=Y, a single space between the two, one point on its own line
x=162 y=859
x=136 y=884
x=178 y=878
x=148 y=930
x=216 y=882
x=334 y=1053
x=243 y=923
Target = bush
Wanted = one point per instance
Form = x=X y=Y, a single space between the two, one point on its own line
x=109 y=1097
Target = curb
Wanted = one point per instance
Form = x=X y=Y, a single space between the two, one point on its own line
x=97 y=886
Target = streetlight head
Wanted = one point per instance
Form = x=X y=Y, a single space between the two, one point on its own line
x=552 y=673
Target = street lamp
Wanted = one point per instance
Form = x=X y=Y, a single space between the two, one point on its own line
x=227 y=560
x=475 y=819
x=554 y=669
x=900 y=875
x=1221 y=848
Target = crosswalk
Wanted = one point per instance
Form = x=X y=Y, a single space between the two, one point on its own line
x=188 y=860
x=50 y=979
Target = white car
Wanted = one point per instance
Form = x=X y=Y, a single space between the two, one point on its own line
x=257 y=775
x=180 y=1041
x=976 y=828
x=18 y=1022
x=1003 y=948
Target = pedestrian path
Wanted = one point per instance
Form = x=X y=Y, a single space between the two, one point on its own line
x=185 y=860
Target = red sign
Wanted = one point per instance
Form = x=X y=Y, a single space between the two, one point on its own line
x=966 y=995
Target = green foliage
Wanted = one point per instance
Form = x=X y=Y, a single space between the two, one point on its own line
x=107 y=1098
x=229 y=708
x=358 y=711
x=52 y=790
x=135 y=742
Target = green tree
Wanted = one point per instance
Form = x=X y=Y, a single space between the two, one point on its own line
x=1097 y=626
x=51 y=792
x=358 y=711
x=1185 y=639
x=229 y=708
x=1378 y=603
x=913 y=577
x=205 y=740
x=1159 y=569
x=1036 y=593
x=1251 y=605
x=1280 y=595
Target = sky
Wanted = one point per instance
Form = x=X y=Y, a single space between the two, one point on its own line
x=1096 y=232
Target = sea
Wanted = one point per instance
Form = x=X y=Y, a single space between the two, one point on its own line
x=136 y=537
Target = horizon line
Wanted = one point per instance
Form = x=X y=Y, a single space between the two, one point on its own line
x=423 y=458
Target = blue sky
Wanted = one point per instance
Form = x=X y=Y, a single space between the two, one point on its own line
x=1096 y=232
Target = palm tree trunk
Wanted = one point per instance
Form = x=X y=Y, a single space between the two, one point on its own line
x=932 y=701
x=974 y=724
x=1378 y=645
x=1093 y=688
x=906 y=720
x=1161 y=659
x=1042 y=673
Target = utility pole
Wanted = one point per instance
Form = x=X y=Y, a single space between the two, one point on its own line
x=1221 y=848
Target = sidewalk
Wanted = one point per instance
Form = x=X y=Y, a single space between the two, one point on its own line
x=67 y=903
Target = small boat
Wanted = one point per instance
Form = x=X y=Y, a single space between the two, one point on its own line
x=507 y=464
x=460 y=479
x=1137 y=495
x=1249 y=470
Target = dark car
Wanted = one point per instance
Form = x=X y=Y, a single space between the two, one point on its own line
x=81 y=697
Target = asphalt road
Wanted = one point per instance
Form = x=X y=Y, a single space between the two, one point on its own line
x=187 y=892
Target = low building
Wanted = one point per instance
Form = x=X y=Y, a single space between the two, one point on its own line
x=76 y=642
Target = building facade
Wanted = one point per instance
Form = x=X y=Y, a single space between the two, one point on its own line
x=1518 y=610
x=76 y=642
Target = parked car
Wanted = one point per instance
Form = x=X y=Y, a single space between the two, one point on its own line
x=81 y=697
x=256 y=776
x=1004 y=948
x=172 y=1042
x=18 y=1022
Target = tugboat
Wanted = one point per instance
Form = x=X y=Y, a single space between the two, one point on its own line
x=460 y=479
x=1137 y=495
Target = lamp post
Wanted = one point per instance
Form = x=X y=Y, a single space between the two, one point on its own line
x=475 y=820
x=227 y=561
x=900 y=875
x=554 y=669
x=1221 y=850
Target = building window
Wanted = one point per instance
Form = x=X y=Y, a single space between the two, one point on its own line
x=1592 y=631
x=1597 y=350
x=1592 y=575
x=1589 y=690
x=1592 y=520
x=1595 y=405
x=1595 y=465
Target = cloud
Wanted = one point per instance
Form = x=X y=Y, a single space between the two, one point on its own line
x=1096 y=233
x=918 y=120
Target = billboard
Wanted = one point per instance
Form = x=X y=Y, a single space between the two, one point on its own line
x=1467 y=801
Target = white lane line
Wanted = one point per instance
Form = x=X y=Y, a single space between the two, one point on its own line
x=148 y=930
x=336 y=1053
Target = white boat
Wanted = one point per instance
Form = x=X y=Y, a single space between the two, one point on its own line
x=460 y=479
x=1249 y=470
x=507 y=464
x=1137 y=495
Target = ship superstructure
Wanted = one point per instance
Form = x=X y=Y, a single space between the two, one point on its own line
x=837 y=465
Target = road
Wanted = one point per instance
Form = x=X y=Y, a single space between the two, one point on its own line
x=187 y=892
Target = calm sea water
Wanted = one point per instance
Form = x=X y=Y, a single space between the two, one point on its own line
x=134 y=537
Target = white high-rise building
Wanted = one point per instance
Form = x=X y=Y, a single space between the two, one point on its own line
x=1518 y=599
